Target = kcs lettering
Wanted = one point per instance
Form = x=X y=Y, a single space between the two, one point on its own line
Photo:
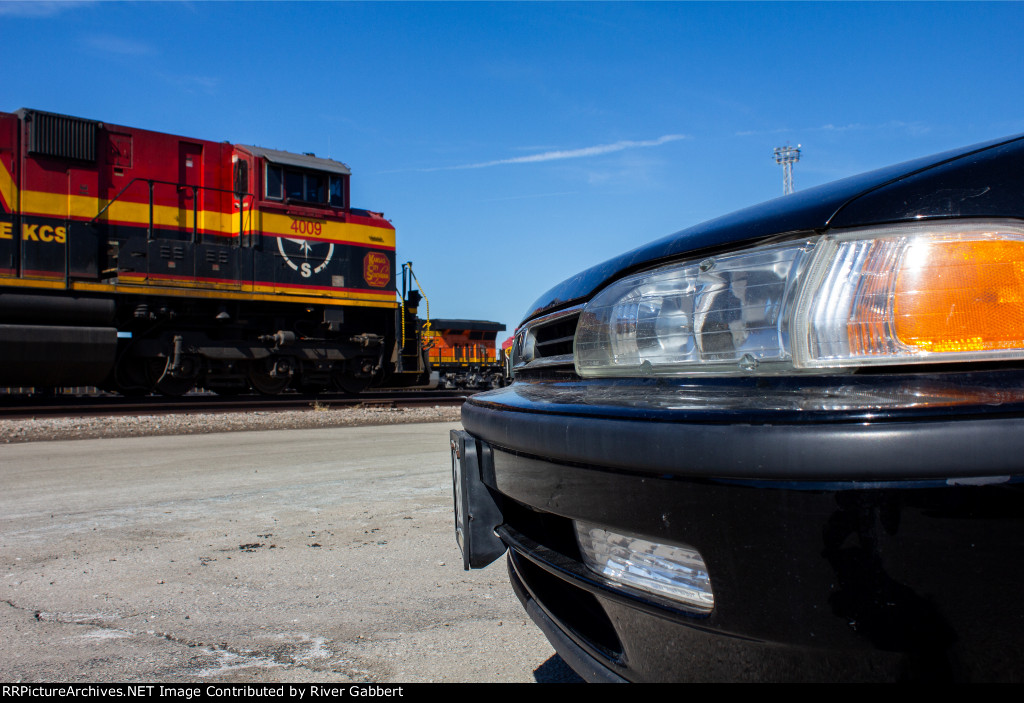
x=43 y=233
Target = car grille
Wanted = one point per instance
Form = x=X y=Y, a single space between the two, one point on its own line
x=547 y=341
x=555 y=338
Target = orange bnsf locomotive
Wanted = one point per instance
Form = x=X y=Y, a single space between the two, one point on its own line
x=464 y=353
x=139 y=261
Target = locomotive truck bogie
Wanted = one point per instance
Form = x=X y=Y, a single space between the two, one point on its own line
x=142 y=261
x=230 y=348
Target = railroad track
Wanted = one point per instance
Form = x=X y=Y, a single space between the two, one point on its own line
x=20 y=407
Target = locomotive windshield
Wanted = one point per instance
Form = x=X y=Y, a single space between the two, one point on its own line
x=303 y=178
x=282 y=183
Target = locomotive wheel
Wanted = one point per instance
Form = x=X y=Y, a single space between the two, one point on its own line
x=261 y=380
x=346 y=382
x=165 y=383
x=130 y=378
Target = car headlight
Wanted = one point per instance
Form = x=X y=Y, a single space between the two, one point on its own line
x=884 y=295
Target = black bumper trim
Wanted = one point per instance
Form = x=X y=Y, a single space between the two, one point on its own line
x=987 y=450
x=578 y=659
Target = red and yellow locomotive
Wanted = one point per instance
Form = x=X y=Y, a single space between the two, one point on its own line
x=141 y=261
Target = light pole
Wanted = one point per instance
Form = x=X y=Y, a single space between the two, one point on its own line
x=786 y=156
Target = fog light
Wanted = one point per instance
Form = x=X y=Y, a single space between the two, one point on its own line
x=672 y=570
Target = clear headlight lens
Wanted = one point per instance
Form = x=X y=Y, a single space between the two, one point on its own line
x=716 y=315
x=892 y=295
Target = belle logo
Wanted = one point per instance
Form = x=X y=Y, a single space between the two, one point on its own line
x=376 y=269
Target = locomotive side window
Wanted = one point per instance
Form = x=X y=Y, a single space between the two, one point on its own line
x=293 y=185
x=275 y=182
x=241 y=178
x=304 y=186
x=308 y=187
x=314 y=191
x=337 y=194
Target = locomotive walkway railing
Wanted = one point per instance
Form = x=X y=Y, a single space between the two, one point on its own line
x=457 y=357
x=152 y=182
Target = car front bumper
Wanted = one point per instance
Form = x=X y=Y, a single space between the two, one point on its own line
x=853 y=528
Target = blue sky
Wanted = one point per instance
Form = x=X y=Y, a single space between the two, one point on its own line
x=514 y=144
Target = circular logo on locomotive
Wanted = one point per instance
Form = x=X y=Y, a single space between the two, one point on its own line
x=376 y=269
x=303 y=252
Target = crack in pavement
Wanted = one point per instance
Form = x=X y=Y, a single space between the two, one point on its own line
x=228 y=658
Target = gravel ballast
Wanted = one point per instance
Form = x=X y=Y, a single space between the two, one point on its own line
x=48 y=429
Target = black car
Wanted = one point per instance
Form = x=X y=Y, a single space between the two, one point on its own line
x=786 y=444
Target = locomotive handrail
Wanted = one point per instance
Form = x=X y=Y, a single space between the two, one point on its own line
x=195 y=203
x=468 y=358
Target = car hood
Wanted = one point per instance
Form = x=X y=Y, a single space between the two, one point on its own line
x=983 y=180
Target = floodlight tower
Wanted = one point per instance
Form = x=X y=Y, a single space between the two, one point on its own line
x=786 y=156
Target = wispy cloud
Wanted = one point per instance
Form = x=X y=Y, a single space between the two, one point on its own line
x=758 y=132
x=38 y=8
x=855 y=127
x=192 y=83
x=529 y=196
x=118 y=45
x=916 y=129
x=560 y=154
x=913 y=128
x=207 y=84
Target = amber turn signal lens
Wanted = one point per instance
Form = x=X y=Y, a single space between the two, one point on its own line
x=961 y=296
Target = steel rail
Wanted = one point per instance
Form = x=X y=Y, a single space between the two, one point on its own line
x=32 y=407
